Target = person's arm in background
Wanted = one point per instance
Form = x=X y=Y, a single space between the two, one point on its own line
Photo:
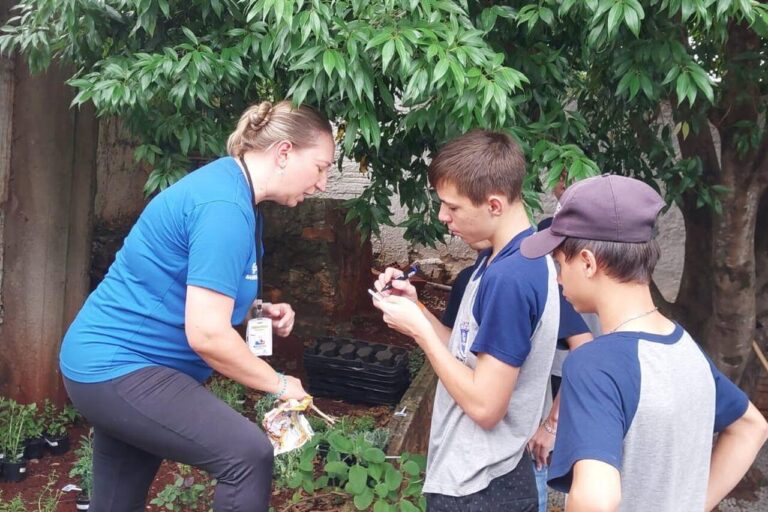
x=734 y=452
x=210 y=333
x=543 y=441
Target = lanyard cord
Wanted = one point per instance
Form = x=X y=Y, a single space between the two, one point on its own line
x=257 y=220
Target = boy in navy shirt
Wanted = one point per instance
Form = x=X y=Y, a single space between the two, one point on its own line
x=640 y=404
x=494 y=364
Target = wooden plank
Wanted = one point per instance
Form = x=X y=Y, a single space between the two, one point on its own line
x=6 y=132
x=409 y=428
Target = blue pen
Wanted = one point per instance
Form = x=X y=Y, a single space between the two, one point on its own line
x=411 y=272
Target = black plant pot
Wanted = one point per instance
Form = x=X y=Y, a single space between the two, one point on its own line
x=57 y=445
x=34 y=448
x=15 y=471
x=82 y=502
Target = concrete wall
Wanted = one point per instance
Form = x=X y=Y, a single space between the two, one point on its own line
x=446 y=260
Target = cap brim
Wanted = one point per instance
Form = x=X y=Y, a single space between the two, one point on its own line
x=540 y=244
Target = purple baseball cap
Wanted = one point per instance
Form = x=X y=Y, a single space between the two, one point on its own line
x=608 y=207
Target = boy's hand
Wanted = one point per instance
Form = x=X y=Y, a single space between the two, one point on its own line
x=400 y=288
x=540 y=446
x=403 y=315
x=282 y=316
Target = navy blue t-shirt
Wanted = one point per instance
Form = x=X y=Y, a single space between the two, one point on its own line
x=510 y=279
x=199 y=231
x=454 y=299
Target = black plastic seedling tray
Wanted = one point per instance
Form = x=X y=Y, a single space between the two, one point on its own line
x=356 y=370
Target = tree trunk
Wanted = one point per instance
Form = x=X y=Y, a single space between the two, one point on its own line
x=755 y=371
x=731 y=328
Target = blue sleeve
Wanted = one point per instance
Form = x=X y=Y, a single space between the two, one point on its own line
x=507 y=311
x=598 y=402
x=220 y=246
x=730 y=402
x=571 y=322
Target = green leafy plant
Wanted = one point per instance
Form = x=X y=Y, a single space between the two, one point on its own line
x=352 y=468
x=262 y=406
x=50 y=496
x=229 y=391
x=364 y=423
x=187 y=492
x=34 y=424
x=82 y=469
x=16 y=416
x=56 y=421
x=416 y=359
x=16 y=504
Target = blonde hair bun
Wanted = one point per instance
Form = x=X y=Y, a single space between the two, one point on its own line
x=259 y=115
x=265 y=123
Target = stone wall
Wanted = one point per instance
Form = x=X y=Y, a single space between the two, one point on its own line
x=315 y=262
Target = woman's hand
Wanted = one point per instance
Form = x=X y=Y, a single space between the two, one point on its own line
x=282 y=316
x=293 y=389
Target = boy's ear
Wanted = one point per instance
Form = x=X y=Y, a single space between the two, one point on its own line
x=588 y=262
x=495 y=205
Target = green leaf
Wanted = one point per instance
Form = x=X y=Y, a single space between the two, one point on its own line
x=440 y=70
x=329 y=61
x=190 y=35
x=386 y=54
x=614 y=15
x=363 y=501
x=381 y=489
x=340 y=443
x=632 y=20
x=358 y=478
x=374 y=455
x=411 y=468
x=382 y=506
x=393 y=478
x=546 y=15
x=407 y=506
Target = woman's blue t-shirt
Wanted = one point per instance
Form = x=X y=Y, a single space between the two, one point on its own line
x=200 y=232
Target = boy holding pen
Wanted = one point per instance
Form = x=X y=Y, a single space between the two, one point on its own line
x=493 y=366
x=640 y=404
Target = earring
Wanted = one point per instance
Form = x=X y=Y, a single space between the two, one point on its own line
x=283 y=163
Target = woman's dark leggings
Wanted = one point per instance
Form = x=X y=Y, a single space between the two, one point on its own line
x=158 y=413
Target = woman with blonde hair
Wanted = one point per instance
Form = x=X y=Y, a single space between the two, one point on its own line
x=135 y=357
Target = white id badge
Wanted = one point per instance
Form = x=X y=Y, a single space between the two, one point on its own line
x=258 y=336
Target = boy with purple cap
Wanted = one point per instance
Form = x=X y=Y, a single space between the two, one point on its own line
x=640 y=404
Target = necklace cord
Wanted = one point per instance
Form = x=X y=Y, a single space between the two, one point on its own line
x=258 y=225
x=633 y=318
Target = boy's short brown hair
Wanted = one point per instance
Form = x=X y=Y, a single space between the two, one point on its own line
x=480 y=163
x=623 y=261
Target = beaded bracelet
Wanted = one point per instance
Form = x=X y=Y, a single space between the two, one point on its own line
x=283 y=387
x=549 y=428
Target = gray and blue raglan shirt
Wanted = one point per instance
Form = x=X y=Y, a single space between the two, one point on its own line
x=648 y=405
x=509 y=310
